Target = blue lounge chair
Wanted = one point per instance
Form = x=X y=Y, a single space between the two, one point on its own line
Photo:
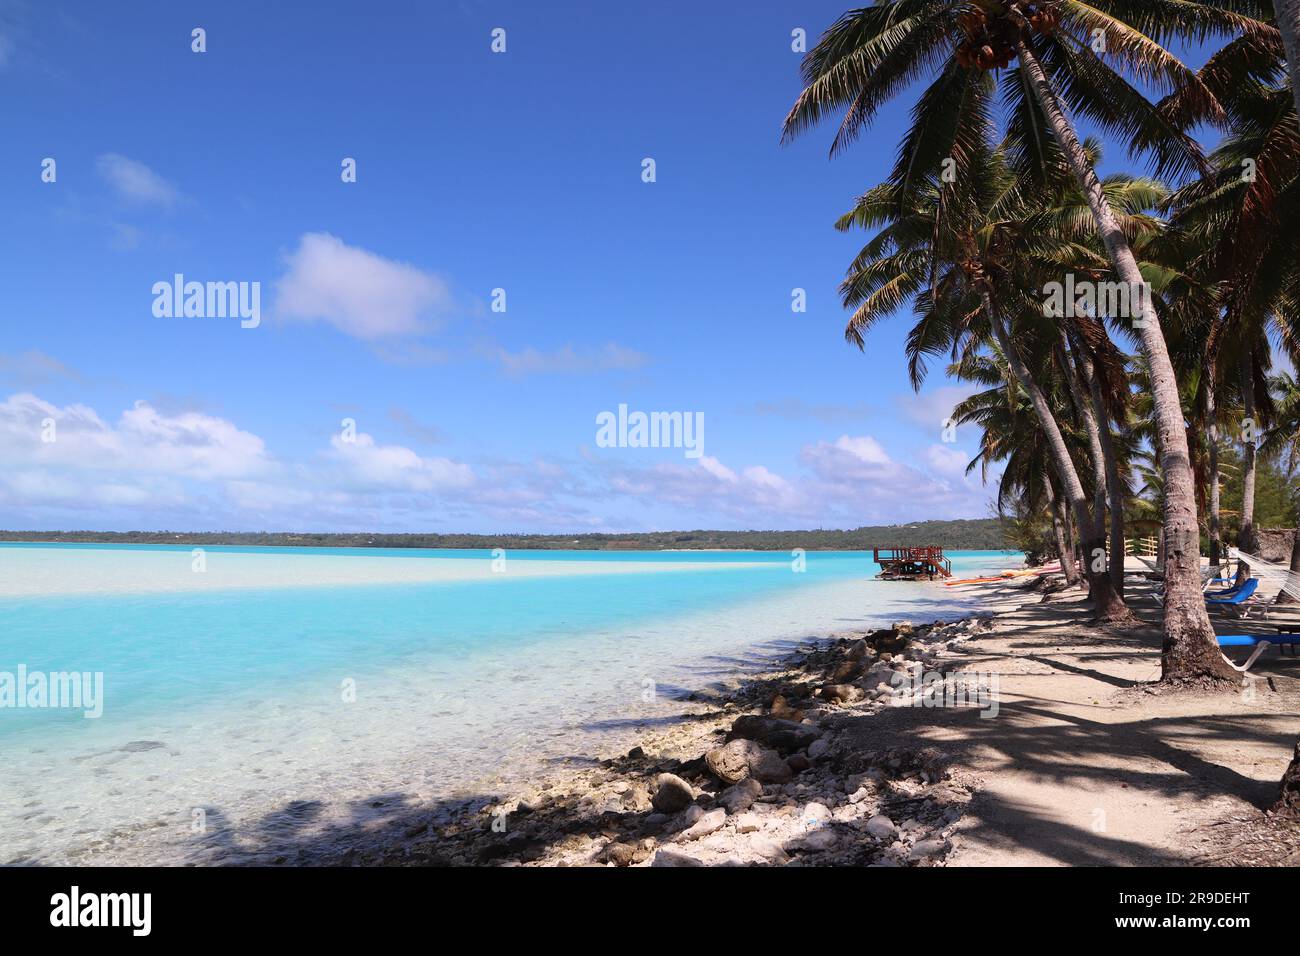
x=1238 y=598
x=1208 y=581
x=1260 y=643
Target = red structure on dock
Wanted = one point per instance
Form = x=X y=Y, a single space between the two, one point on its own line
x=908 y=564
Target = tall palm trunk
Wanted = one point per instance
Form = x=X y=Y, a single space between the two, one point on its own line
x=1114 y=486
x=1189 y=651
x=1088 y=421
x=1058 y=532
x=1211 y=415
x=1288 y=800
x=1074 y=575
x=1108 y=605
x=1247 y=539
x=1083 y=410
x=1085 y=424
x=1099 y=426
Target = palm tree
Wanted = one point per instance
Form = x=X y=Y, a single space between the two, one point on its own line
x=986 y=248
x=1010 y=433
x=1061 y=48
x=1086 y=350
x=962 y=254
x=1238 y=225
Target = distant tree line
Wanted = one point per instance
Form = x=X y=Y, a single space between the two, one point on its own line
x=983 y=534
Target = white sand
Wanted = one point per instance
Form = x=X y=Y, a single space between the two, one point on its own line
x=64 y=571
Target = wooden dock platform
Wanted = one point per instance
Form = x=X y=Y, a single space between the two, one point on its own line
x=909 y=564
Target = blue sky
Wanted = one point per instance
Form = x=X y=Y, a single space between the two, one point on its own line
x=475 y=171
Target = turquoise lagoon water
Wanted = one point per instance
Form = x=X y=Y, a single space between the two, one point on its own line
x=240 y=681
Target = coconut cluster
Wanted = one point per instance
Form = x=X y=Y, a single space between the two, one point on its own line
x=991 y=35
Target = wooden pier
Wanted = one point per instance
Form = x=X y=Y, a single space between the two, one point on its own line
x=909 y=564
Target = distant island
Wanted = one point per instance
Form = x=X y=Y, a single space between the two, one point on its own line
x=979 y=534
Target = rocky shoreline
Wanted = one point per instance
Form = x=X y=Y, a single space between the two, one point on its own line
x=760 y=776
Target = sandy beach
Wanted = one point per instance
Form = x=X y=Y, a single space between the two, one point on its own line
x=813 y=763
x=46 y=572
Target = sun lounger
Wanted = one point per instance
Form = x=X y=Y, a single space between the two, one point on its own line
x=1260 y=643
x=1229 y=591
x=1209 y=579
x=1243 y=599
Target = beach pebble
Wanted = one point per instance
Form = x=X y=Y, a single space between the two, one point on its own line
x=782 y=709
x=818 y=748
x=783 y=736
x=815 y=815
x=841 y=693
x=671 y=858
x=927 y=849
x=748 y=823
x=882 y=828
x=622 y=854
x=844 y=672
x=705 y=825
x=741 y=796
x=636 y=798
x=823 y=838
x=672 y=793
x=768 y=849
x=746 y=758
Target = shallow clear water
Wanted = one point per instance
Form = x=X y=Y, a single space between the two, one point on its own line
x=284 y=676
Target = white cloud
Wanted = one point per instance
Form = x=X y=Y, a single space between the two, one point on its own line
x=717 y=469
x=857 y=476
x=863 y=449
x=144 y=441
x=155 y=467
x=708 y=486
x=395 y=466
x=947 y=461
x=932 y=408
x=190 y=444
x=358 y=292
x=135 y=182
x=202 y=467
